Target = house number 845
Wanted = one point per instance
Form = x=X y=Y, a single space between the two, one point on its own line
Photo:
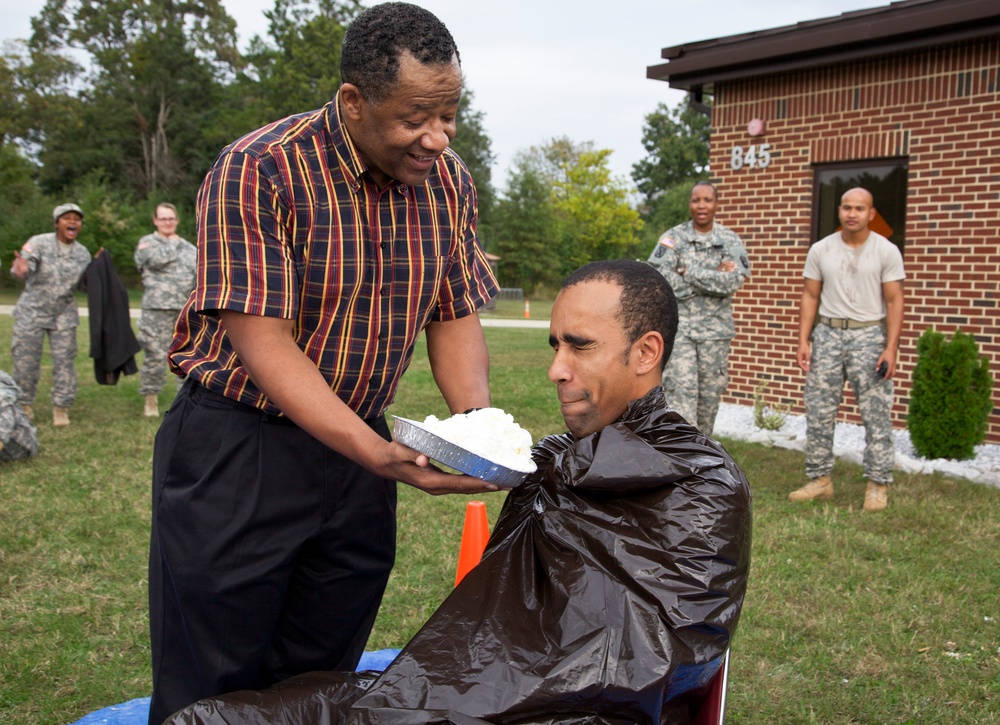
x=755 y=157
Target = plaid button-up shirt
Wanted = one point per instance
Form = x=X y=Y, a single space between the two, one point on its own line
x=291 y=226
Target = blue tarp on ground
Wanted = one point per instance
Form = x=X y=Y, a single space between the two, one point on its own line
x=133 y=712
x=136 y=712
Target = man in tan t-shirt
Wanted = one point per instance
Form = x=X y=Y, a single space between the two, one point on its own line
x=850 y=319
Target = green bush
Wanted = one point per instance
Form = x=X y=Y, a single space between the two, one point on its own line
x=951 y=398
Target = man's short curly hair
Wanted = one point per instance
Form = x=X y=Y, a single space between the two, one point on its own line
x=647 y=301
x=376 y=38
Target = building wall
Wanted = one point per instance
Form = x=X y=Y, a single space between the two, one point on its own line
x=938 y=107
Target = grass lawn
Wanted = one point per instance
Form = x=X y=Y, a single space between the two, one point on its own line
x=849 y=618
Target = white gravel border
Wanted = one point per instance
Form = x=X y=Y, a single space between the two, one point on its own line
x=737 y=421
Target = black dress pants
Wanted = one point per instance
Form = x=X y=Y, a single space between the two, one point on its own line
x=269 y=551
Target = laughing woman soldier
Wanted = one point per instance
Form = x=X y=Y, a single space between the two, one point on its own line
x=51 y=266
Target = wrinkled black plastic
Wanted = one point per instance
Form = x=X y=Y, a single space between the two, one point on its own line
x=608 y=594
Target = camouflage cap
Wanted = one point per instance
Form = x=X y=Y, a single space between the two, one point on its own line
x=65 y=209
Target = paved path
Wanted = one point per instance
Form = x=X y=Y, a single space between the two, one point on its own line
x=487 y=321
x=491 y=322
x=84 y=312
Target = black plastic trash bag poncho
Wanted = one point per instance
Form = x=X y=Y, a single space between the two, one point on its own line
x=608 y=594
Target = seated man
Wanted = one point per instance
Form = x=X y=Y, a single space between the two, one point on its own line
x=613 y=581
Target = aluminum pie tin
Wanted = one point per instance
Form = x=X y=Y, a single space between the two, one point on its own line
x=413 y=434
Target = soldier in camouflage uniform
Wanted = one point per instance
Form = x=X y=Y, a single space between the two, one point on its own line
x=850 y=319
x=17 y=436
x=51 y=266
x=705 y=263
x=167 y=263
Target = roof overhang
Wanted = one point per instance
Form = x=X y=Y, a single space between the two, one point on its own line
x=901 y=26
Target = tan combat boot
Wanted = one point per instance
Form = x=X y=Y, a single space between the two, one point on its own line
x=28 y=411
x=818 y=489
x=60 y=416
x=152 y=403
x=876 y=496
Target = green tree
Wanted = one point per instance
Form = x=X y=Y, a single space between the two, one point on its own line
x=8 y=96
x=155 y=74
x=297 y=67
x=595 y=219
x=676 y=143
x=553 y=160
x=35 y=90
x=524 y=235
x=23 y=210
x=563 y=208
x=677 y=152
x=474 y=145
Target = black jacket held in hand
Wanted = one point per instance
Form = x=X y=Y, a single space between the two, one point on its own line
x=113 y=345
x=608 y=594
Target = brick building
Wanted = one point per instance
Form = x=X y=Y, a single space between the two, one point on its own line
x=902 y=99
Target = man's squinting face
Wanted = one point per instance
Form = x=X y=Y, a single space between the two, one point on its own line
x=402 y=136
x=68 y=227
x=592 y=366
x=702 y=206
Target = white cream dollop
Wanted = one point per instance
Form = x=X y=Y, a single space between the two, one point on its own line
x=490 y=433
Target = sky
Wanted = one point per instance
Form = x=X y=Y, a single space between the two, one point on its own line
x=542 y=69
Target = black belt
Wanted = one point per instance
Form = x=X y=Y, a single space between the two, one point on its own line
x=197 y=391
x=839 y=323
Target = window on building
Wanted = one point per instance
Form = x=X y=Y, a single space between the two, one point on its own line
x=884 y=178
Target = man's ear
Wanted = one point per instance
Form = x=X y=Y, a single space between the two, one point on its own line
x=351 y=101
x=649 y=351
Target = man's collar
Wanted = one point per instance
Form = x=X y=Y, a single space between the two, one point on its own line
x=855 y=244
x=344 y=150
x=641 y=407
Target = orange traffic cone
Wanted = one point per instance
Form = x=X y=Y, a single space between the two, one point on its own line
x=475 y=534
x=527 y=309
